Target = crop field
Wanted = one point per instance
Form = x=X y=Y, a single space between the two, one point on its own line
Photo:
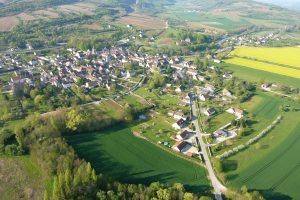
x=254 y=75
x=271 y=164
x=143 y=21
x=285 y=71
x=284 y=56
x=124 y=157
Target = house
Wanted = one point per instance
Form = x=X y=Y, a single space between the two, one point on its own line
x=179 y=89
x=204 y=96
x=210 y=88
x=220 y=133
x=209 y=112
x=266 y=86
x=177 y=115
x=236 y=111
x=91 y=84
x=227 y=93
x=181 y=146
x=179 y=124
x=227 y=76
x=186 y=99
x=183 y=135
x=217 y=61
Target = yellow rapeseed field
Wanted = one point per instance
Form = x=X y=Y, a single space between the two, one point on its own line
x=284 y=56
x=295 y=73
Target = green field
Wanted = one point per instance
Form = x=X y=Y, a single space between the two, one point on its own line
x=254 y=75
x=124 y=157
x=271 y=164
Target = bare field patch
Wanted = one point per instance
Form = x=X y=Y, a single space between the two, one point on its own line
x=166 y=41
x=25 y=17
x=7 y=23
x=142 y=21
x=199 y=25
x=49 y=13
x=86 y=9
x=93 y=26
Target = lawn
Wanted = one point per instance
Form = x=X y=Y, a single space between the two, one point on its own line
x=285 y=56
x=124 y=157
x=158 y=128
x=255 y=75
x=219 y=120
x=262 y=66
x=20 y=178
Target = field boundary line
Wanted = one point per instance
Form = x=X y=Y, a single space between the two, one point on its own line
x=267 y=62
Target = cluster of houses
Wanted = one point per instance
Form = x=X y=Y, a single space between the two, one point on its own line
x=184 y=137
x=252 y=40
x=95 y=68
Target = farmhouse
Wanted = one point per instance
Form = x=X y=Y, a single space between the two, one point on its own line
x=181 y=146
x=267 y=86
x=236 y=111
x=220 y=133
x=209 y=112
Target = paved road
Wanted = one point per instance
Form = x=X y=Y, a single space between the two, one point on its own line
x=217 y=186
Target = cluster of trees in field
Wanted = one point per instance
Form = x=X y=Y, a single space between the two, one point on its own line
x=193 y=41
x=41 y=98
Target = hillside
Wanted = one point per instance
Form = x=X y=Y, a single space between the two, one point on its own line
x=229 y=15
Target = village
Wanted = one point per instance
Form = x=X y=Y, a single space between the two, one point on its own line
x=111 y=67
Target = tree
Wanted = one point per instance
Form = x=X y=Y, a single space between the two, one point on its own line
x=39 y=99
x=46 y=196
x=75 y=119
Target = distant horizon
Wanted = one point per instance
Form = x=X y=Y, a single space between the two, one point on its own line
x=290 y=4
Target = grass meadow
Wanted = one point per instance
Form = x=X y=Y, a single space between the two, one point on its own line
x=271 y=165
x=21 y=178
x=124 y=157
